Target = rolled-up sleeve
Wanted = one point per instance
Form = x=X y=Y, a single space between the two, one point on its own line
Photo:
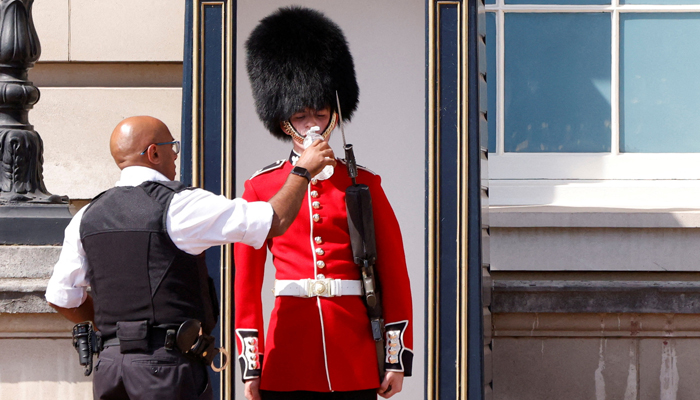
x=198 y=219
x=67 y=287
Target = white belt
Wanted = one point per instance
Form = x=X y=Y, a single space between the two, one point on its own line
x=318 y=287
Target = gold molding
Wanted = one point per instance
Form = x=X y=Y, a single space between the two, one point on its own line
x=431 y=303
x=196 y=96
x=463 y=258
x=227 y=180
x=226 y=171
x=434 y=211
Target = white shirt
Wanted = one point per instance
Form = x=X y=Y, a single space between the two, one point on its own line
x=196 y=220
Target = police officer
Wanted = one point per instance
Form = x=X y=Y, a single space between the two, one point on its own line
x=319 y=343
x=139 y=247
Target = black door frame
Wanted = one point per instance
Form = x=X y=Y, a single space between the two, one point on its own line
x=455 y=194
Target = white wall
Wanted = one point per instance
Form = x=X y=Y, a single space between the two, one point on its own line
x=387 y=40
x=102 y=61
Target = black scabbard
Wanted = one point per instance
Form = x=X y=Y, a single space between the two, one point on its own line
x=358 y=202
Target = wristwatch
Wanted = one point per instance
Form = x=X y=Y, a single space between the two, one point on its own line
x=301 y=171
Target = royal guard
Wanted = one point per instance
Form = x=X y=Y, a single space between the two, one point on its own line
x=320 y=339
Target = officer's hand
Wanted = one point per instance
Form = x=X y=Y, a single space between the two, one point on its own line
x=252 y=389
x=392 y=384
x=316 y=156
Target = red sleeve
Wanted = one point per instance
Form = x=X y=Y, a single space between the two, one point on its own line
x=249 y=272
x=393 y=279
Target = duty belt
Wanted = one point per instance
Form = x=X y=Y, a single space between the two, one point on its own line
x=318 y=287
x=157 y=337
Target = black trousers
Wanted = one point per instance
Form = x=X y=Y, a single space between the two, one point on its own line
x=154 y=375
x=370 y=394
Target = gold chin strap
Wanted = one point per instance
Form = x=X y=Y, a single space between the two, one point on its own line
x=288 y=128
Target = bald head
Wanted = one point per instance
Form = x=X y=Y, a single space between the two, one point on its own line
x=134 y=135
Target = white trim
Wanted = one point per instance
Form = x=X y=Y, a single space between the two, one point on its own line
x=574 y=166
x=628 y=194
x=564 y=8
x=323 y=337
x=500 y=82
x=615 y=82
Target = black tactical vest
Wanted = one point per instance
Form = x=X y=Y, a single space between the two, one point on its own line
x=135 y=270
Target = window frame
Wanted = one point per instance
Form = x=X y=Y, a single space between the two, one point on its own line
x=646 y=172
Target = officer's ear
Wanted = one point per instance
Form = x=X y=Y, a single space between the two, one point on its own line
x=153 y=155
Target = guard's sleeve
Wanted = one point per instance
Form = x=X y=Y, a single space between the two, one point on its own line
x=394 y=283
x=250 y=269
x=67 y=287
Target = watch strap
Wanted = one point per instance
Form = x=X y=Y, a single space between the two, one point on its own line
x=301 y=171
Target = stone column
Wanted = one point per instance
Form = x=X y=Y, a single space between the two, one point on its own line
x=28 y=212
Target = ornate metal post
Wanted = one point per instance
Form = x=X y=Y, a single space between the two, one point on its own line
x=21 y=178
x=26 y=207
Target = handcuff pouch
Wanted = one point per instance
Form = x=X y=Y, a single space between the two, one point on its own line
x=133 y=336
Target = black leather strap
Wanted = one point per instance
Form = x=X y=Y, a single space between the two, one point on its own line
x=156 y=338
x=301 y=171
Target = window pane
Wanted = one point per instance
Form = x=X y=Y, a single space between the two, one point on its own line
x=491 y=78
x=660 y=83
x=557 y=82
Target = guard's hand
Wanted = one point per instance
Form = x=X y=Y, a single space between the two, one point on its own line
x=392 y=384
x=252 y=389
x=316 y=157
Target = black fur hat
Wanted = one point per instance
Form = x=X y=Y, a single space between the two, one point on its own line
x=298 y=58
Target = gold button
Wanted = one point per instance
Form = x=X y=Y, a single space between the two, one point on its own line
x=316 y=217
x=393 y=352
x=320 y=264
x=320 y=252
x=314 y=181
x=316 y=205
x=314 y=194
x=318 y=240
x=320 y=276
x=393 y=360
x=392 y=335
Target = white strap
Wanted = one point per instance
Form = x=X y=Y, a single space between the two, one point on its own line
x=318 y=287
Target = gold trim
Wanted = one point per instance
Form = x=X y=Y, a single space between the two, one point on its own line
x=228 y=190
x=463 y=378
x=434 y=211
x=431 y=303
x=196 y=59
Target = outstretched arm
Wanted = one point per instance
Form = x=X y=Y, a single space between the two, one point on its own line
x=287 y=202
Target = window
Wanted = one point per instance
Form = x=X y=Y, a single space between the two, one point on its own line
x=594 y=103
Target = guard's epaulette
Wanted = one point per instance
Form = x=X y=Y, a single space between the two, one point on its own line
x=342 y=160
x=275 y=165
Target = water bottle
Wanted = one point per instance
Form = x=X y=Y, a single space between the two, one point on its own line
x=311 y=136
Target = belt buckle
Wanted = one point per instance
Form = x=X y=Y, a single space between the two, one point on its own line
x=319 y=287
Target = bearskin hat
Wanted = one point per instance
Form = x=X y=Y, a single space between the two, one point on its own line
x=298 y=58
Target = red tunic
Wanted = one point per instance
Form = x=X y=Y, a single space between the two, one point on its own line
x=320 y=343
